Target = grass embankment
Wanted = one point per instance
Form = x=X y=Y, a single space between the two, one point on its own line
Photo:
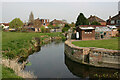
x=8 y=73
x=15 y=44
x=107 y=44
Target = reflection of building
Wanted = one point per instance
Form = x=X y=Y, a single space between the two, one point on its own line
x=84 y=71
x=86 y=33
x=115 y=20
x=96 y=19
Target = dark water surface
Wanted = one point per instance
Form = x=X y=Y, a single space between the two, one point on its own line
x=51 y=62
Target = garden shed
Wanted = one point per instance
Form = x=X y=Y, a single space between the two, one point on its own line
x=85 y=33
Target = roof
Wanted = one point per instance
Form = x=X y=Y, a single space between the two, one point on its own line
x=95 y=18
x=112 y=27
x=58 y=22
x=86 y=28
x=116 y=17
x=102 y=29
x=92 y=25
x=5 y=24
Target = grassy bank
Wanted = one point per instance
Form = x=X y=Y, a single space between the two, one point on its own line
x=8 y=73
x=15 y=43
x=107 y=44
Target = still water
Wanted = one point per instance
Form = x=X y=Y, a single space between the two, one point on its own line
x=50 y=62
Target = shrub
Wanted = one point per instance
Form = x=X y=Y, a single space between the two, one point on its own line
x=43 y=30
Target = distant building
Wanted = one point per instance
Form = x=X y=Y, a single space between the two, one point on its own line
x=31 y=19
x=4 y=25
x=96 y=19
x=44 y=22
x=37 y=23
x=115 y=20
x=58 y=23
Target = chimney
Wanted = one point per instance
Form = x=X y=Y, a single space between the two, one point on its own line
x=90 y=15
x=110 y=17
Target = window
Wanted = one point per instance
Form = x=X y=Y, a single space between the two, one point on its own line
x=112 y=22
x=118 y=21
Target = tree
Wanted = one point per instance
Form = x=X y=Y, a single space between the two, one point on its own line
x=66 y=27
x=16 y=23
x=72 y=24
x=81 y=20
x=95 y=23
x=31 y=18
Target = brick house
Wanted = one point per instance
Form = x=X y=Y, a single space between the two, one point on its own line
x=96 y=19
x=99 y=31
x=45 y=21
x=86 y=33
x=58 y=23
x=115 y=20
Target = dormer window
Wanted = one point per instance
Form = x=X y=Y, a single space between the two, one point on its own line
x=112 y=22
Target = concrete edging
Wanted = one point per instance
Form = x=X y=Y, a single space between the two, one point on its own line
x=98 y=57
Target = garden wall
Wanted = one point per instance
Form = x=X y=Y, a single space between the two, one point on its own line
x=98 y=57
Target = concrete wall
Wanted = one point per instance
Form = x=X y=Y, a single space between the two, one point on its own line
x=98 y=57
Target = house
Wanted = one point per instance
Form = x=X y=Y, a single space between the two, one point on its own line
x=96 y=19
x=45 y=21
x=59 y=23
x=56 y=29
x=5 y=25
x=114 y=30
x=37 y=23
x=114 y=21
x=103 y=33
x=85 y=33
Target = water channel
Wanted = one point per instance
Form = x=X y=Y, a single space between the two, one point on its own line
x=51 y=62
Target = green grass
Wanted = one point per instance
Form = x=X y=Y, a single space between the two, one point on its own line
x=8 y=73
x=14 y=43
x=107 y=44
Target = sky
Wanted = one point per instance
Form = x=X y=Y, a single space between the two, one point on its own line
x=57 y=10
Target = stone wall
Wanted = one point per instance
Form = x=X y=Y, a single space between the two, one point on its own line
x=98 y=57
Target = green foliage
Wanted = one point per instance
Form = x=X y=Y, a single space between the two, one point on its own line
x=95 y=23
x=16 y=23
x=17 y=43
x=9 y=73
x=43 y=30
x=66 y=27
x=81 y=20
x=107 y=44
x=51 y=26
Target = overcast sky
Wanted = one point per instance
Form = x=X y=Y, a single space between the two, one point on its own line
x=57 y=10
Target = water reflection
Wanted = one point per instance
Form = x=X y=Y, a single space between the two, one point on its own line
x=85 y=71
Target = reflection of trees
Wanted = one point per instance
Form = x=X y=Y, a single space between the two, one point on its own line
x=85 y=71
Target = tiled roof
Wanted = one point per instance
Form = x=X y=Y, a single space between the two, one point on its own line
x=57 y=22
x=95 y=18
x=6 y=24
x=116 y=17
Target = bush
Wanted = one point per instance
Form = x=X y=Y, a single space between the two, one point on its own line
x=43 y=30
x=65 y=29
x=95 y=23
